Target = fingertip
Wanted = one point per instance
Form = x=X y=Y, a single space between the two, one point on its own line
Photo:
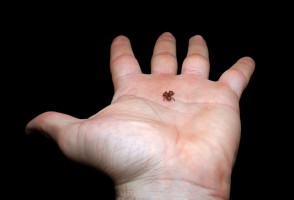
x=197 y=37
x=248 y=60
x=49 y=123
x=28 y=129
x=167 y=34
x=120 y=39
x=34 y=125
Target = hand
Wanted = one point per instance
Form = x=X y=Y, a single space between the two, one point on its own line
x=152 y=147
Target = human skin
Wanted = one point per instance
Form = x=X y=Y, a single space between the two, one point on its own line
x=151 y=147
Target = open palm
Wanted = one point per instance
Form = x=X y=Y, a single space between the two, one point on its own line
x=142 y=136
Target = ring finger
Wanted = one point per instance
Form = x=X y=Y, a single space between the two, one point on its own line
x=197 y=61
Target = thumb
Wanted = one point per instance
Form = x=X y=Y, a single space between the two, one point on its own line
x=51 y=124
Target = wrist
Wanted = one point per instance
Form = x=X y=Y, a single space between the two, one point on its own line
x=168 y=189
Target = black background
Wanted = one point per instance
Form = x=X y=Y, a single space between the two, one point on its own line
x=60 y=62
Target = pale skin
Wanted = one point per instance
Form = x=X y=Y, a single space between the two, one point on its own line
x=153 y=148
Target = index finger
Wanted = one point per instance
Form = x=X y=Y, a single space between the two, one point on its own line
x=122 y=59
